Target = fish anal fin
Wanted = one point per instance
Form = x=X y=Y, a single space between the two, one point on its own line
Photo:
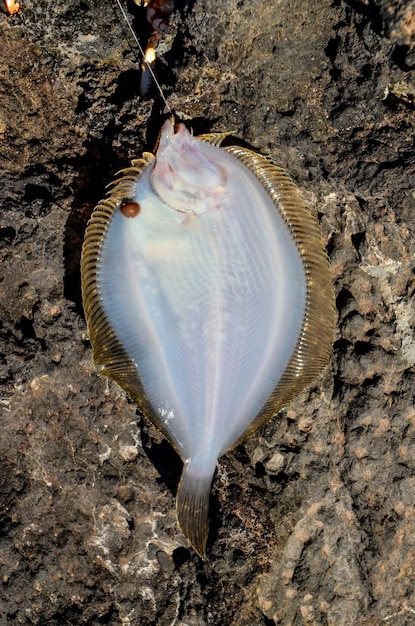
x=192 y=505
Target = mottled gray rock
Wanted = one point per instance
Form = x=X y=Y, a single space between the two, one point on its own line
x=313 y=519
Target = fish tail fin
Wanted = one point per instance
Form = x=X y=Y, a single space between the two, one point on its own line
x=192 y=505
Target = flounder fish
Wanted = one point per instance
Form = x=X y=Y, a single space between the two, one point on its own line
x=208 y=299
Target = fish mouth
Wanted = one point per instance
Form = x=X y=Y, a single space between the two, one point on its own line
x=188 y=175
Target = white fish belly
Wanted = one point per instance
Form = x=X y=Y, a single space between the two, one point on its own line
x=209 y=307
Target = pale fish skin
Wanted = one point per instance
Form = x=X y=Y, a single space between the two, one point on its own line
x=199 y=305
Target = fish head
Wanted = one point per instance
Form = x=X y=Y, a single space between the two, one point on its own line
x=189 y=175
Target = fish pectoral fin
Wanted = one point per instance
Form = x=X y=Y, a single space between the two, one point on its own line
x=215 y=139
x=192 y=504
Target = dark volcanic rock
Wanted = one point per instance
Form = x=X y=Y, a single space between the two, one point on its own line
x=313 y=519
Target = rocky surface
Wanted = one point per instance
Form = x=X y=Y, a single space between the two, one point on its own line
x=313 y=519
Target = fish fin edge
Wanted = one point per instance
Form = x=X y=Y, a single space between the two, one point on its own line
x=192 y=506
x=314 y=346
x=108 y=351
x=215 y=139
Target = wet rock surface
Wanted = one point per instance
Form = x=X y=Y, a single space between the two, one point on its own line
x=313 y=518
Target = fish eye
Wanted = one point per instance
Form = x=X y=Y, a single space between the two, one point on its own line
x=129 y=208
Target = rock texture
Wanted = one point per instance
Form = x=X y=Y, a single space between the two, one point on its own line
x=313 y=519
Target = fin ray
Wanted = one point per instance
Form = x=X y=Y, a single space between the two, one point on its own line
x=192 y=504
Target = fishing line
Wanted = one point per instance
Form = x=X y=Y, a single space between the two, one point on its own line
x=147 y=63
